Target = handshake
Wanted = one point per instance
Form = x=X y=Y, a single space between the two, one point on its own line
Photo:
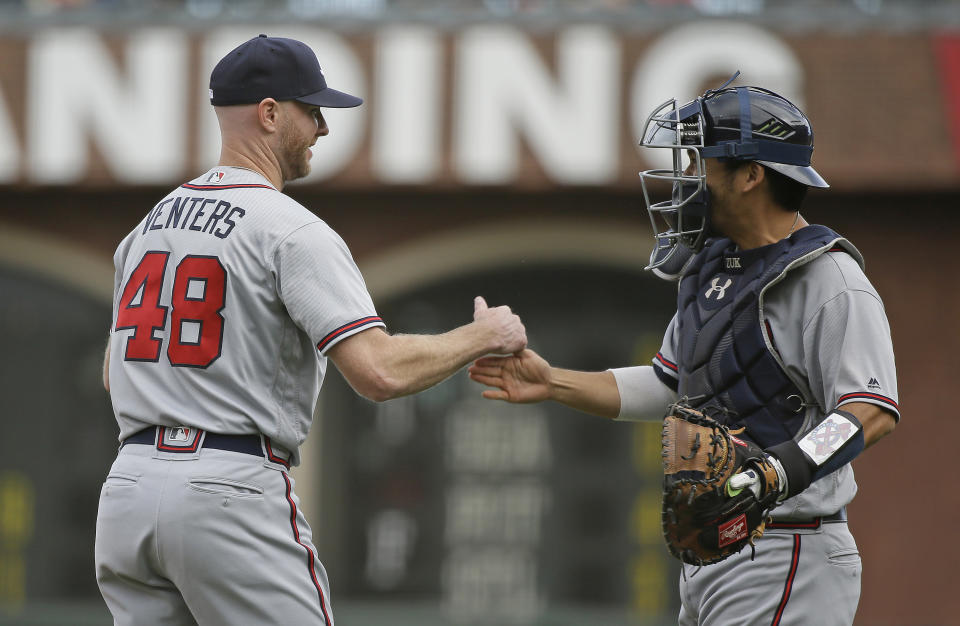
x=515 y=373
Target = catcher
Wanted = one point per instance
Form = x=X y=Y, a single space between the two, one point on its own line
x=778 y=367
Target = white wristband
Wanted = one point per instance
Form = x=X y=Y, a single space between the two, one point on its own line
x=781 y=476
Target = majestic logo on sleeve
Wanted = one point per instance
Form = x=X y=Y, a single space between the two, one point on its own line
x=715 y=286
x=874 y=384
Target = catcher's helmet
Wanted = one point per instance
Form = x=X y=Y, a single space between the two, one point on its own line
x=736 y=123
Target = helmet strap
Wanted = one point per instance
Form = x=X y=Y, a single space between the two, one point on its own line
x=747 y=144
x=710 y=92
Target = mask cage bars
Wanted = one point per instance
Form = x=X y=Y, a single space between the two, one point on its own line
x=665 y=128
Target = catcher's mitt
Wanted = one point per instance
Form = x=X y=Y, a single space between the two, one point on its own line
x=705 y=519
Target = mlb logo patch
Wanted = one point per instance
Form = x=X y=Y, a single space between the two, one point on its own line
x=179 y=439
x=179 y=434
x=215 y=177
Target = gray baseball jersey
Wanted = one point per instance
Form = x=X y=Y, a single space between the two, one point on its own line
x=828 y=325
x=227 y=296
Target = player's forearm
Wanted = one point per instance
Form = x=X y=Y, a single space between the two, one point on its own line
x=591 y=392
x=413 y=363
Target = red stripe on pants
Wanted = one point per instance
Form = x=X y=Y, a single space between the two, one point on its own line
x=310 y=558
x=788 y=585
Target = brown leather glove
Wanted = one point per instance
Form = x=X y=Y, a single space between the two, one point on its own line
x=705 y=518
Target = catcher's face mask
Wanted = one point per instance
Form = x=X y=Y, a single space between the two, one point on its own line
x=735 y=124
x=684 y=217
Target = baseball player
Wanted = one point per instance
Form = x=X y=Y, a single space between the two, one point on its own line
x=777 y=331
x=229 y=299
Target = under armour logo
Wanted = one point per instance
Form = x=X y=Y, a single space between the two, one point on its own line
x=873 y=383
x=715 y=286
x=180 y=434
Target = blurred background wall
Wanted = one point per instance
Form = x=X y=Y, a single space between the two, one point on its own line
x=495 y=154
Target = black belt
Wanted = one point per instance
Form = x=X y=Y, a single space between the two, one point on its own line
x=839 y=516
x=245 y=444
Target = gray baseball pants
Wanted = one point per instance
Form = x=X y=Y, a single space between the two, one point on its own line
x=799 y=577
x=214 y=537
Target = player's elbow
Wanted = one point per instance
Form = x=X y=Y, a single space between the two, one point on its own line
x=877 y=426
x=886 y=425
x=379 y=386
x=379 y=394
x=889 y=424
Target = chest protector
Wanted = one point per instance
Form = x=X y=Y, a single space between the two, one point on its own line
x=727 y=358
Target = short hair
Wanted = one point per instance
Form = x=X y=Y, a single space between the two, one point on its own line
x=787 y=193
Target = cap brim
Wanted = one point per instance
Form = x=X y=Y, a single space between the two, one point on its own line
x=331 y=98
x=800 y=173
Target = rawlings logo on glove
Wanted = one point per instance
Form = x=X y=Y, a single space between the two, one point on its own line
x=707 y=516
x=733 y=531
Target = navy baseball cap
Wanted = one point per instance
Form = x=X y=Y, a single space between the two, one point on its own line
x=273 y=67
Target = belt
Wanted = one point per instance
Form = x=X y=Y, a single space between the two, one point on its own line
x=814 y=523
x=180 y=439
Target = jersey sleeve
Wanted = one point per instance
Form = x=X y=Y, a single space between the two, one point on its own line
x=321 y=286
x=849 y=352
x=665 y=362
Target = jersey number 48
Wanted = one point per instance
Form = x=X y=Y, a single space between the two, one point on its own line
x=199 y=294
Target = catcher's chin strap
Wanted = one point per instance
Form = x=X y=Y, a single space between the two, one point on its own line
x=830 y=445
